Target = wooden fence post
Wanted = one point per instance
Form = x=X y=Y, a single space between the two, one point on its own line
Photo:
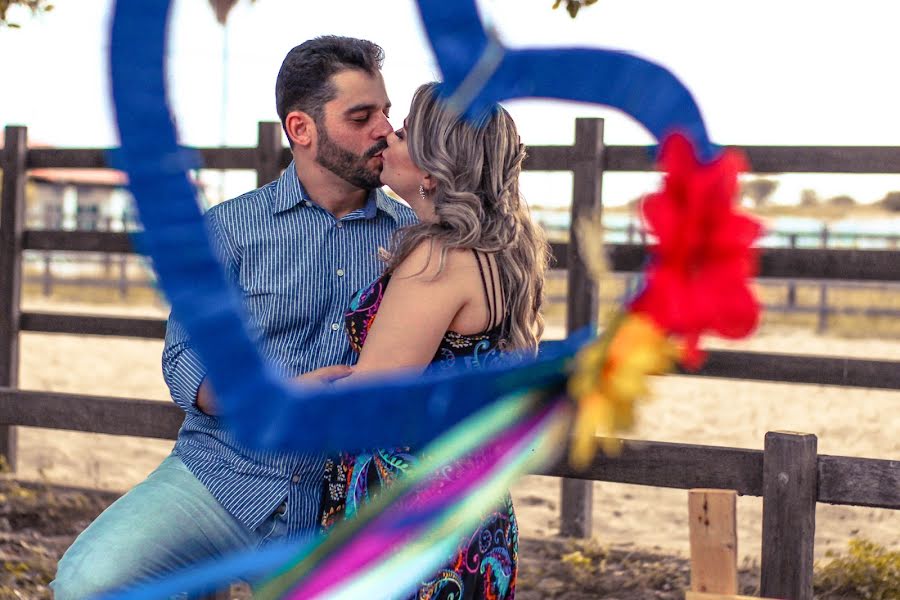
x=12 y=224
x=268 y=152
x=792 y=285
x=822 y=321
x=790 y=490
x=822 y=324
x=582 y=303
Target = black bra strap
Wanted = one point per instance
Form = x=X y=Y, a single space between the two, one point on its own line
x=484 y=286
x=494 y=309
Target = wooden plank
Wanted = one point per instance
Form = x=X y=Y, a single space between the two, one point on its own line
x=797 y=264
x=689 y=595
x=12 y=224
x=576 y=496
x=795 y=368
x=94 y=414
x=99 y=158
x=861 y=265
x=93 y=325
x=792 y=368
x=789 y=515
x=778 y=159
x=859 y=481
x=548 y=158
x=67 y=158
x=630 y=158
x=823 y=159
x=712 y=518
x=817 y=263
x=657 y=464
x=681 y=466
x=763 y=159
x=78 y=241
x=228 y=158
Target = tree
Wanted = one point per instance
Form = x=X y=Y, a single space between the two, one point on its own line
x=891 y=201
x=842 y=201
x=222 y=8
x=759 y=190
x=809 y=198
x=573 y=6
x=36 y=6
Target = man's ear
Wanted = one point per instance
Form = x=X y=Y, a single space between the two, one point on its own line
x=300 y=128
x=429 y=183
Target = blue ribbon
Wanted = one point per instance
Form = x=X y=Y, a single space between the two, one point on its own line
x=262 y=408
x=479 y=72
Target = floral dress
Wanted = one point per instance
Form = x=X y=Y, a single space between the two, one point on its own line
x=484 y=564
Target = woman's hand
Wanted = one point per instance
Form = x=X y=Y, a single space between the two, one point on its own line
x=325 y=375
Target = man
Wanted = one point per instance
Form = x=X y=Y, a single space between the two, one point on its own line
x=297 y=249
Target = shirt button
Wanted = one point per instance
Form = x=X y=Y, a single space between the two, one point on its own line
x=295 y=479
x=340 y=272
x=339 y=225
x=306 y=203
x=335 y=326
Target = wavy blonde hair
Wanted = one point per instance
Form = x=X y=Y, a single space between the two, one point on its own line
x=478 y=206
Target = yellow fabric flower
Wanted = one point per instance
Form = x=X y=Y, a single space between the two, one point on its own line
x=610 y=375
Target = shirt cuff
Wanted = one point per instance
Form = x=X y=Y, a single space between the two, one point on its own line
x=186 y=379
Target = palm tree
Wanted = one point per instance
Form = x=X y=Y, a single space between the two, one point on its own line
x=222 y=8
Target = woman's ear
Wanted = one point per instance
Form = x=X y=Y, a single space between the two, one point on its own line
x=300 y=128
x=429 y=183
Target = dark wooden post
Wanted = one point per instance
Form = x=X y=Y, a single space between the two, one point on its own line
x=12 y=224
x=582 y=304
x=822 y=324
x=123 y=275
x=268 y=153
x=790 y=489
x=792 y=285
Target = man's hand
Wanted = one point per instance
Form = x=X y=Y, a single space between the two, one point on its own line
x=326 y=374
x=206 y=399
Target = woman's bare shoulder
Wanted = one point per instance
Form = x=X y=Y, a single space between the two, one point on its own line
x=430 y=261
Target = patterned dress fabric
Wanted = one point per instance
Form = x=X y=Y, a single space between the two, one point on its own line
x=484 y=565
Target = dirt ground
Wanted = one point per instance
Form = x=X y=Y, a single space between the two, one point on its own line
x=640 y=538
x=39 y=521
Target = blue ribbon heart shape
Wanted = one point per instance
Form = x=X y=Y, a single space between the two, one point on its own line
x=263 y=409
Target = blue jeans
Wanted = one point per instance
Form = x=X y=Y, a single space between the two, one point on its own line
x=168 y=521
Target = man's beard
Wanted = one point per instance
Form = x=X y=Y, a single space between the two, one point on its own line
x=346 y=165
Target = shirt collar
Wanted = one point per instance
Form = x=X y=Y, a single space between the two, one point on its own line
x=289 y=192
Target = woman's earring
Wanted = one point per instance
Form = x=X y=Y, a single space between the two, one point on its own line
x=422 y=192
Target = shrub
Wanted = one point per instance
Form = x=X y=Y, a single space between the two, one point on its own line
x=868 y=571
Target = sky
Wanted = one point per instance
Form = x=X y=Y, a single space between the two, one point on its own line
x=771 y=72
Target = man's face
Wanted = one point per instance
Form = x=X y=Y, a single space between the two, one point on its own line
x=354 y=127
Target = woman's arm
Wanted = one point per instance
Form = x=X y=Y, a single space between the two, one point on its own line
x=416 y=311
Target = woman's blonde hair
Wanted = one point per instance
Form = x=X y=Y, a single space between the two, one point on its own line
x=477 y=205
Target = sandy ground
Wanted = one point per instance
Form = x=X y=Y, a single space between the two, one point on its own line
x=854 y=422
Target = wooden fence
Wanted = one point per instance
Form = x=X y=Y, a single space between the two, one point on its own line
x=789 y=474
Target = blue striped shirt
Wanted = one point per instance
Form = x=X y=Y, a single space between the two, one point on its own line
x=296 y=266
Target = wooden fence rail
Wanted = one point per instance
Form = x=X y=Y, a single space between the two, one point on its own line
x=788 y=473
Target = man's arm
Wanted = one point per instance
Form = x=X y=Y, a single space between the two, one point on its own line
x=183 y=371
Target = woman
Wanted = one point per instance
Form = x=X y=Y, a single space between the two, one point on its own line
x=463 y=286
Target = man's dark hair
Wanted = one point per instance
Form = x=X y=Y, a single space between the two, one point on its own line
x=304 y=80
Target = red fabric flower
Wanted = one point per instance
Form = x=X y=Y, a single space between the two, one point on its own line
x=697 y=280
